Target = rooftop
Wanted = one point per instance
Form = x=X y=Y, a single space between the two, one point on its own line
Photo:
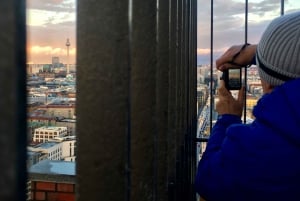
x=53 y=167
x=46 y=145
x=51 y=128
x=32 y=153
x=53 y=171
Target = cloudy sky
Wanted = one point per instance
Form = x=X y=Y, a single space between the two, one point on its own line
x=229 y=23
x=51 y=22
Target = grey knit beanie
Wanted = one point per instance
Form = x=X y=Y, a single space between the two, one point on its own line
x=278 y=52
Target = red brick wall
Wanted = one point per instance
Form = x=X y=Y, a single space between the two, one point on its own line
x=50 y=191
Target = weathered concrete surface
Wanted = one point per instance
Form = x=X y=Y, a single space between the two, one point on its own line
x=136 y=84
x=12 y=101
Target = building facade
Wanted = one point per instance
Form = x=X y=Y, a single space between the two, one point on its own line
x=46 y=133
x=51 y=181
x=52 y=150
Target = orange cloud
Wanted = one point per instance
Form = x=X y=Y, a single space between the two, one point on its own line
x=203 y=51
x=43 y=54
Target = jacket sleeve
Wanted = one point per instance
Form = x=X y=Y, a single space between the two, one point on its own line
x=212 y=180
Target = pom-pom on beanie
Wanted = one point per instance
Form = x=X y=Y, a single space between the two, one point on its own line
x=278 y=51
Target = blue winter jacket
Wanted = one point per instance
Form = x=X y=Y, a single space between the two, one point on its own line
x=258 y=161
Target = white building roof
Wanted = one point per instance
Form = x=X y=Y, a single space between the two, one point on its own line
x=51 y=128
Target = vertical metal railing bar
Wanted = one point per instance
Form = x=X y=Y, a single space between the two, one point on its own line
x=171 y=102
x=129 y=102
x=178 y=174
x=187 y=88
x=194 y=82
x=155 y=134
x=211 y=60
x=245 y=72
x=194 y=44
x=191 y=89
x=189 y=97
x=193 y=96
x=20 y=37
x=282 y=7
x=195 y=60
x=184 y=95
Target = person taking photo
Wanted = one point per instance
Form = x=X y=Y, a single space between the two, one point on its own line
x=260 y=160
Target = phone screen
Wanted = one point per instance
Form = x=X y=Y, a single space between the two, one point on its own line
x=233 y=79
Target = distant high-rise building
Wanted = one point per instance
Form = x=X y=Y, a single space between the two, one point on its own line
x=55 y=62
x=68 y=46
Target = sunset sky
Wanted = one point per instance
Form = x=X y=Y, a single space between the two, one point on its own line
x=229 y=23
x=51 y=22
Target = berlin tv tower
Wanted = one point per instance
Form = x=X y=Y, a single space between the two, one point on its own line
x=68 y=46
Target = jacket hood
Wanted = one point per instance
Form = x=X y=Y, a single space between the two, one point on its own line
x=280 y=111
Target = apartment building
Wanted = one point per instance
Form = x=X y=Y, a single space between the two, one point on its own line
x=68 y=147
x=53 y=150
x=45 y=133
x=60 y=110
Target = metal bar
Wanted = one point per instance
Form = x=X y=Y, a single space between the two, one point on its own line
x=211 y=60
x=193 y=8
x=187 y=12
x=193 y=91
x=129 y=102
x=188 y=87
x=172 y=138
x=155 y=133
x=245 y=73
x=20 y=37
x=282 y=7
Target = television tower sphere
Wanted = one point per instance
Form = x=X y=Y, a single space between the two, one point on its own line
x=68 y=43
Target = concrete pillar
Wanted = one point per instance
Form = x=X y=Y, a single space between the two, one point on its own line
x=134 y=102
x=12 y=101
x=172 y=102
x=162 y=99
x=144 y=132
x=103 y=81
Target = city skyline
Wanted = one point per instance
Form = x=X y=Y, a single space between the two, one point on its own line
x=229 y=23
x=51 y=22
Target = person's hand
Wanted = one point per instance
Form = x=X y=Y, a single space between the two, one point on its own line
x=243 y=58
x=227 y=104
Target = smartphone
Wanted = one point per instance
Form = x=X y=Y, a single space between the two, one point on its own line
x=233 y=78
